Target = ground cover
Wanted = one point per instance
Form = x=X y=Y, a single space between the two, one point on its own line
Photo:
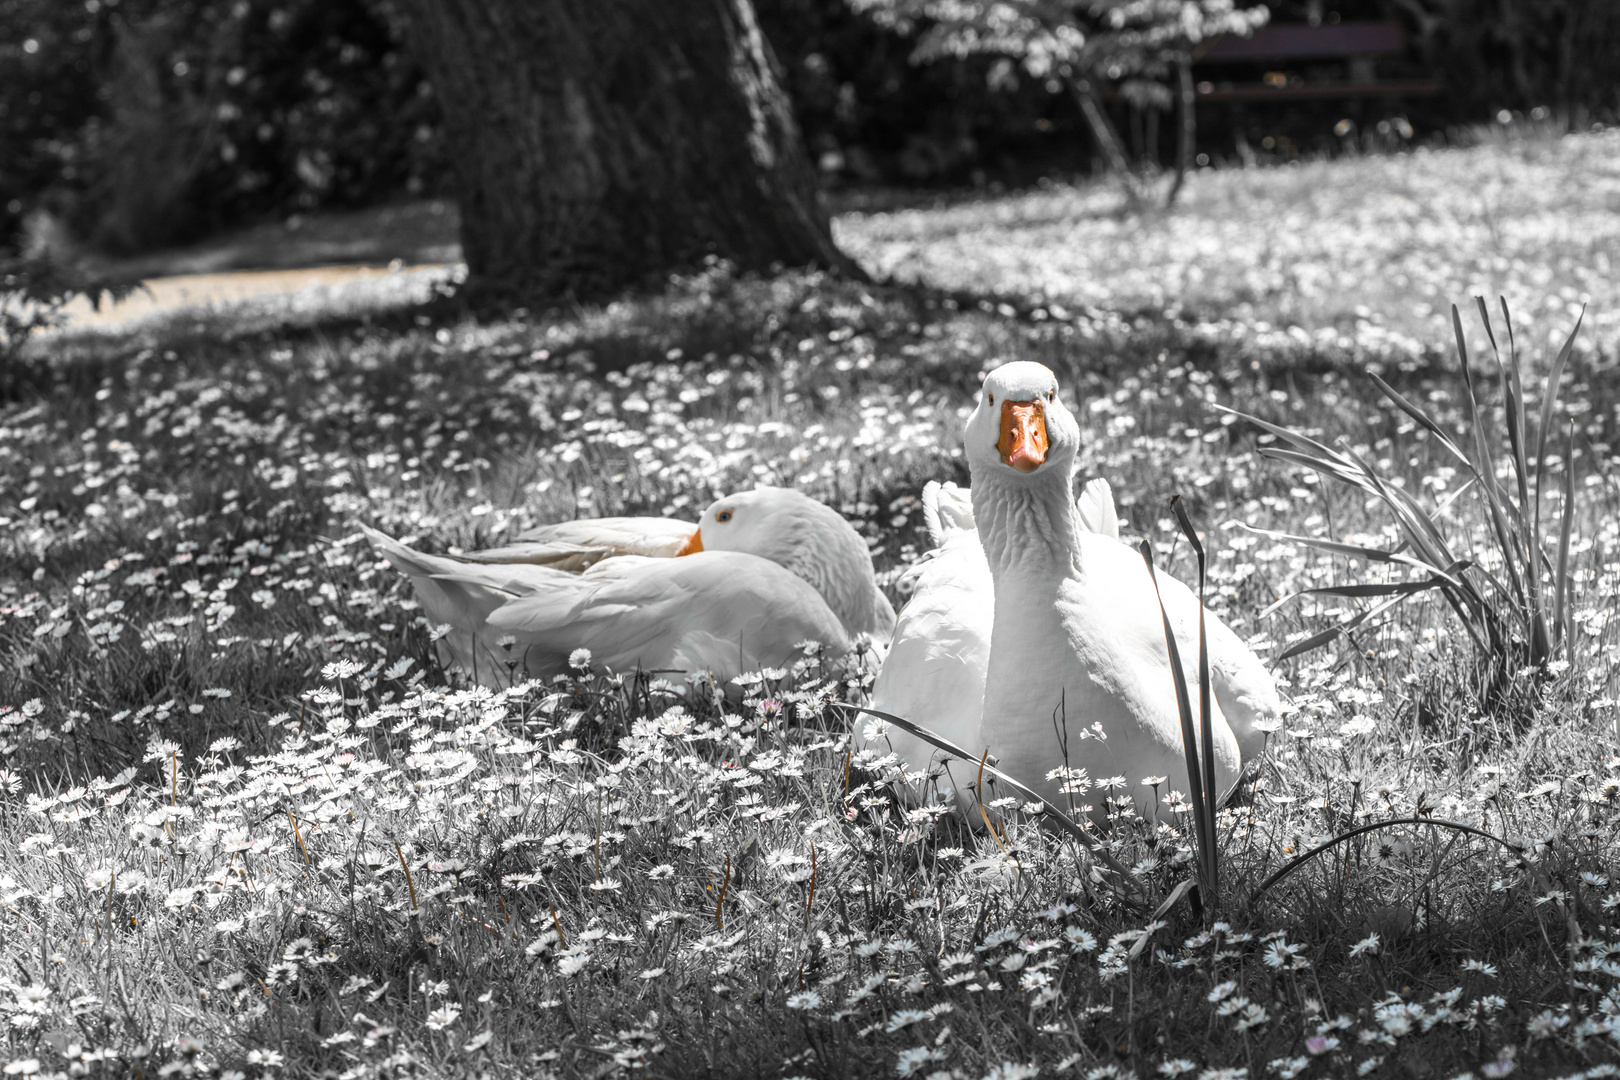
x=252 y=828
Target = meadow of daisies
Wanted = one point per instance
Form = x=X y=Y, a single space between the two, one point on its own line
x=251 y=828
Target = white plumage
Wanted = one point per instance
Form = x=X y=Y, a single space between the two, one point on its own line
x=1054 y=629
x=763 y=571
x=934 y=671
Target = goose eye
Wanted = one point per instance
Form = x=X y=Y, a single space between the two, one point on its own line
x=1050 y=394
x=992 y=399
x=723 y=516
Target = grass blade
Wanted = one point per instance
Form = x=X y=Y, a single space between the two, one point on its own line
x=1565 y=526
x=1300 y=860
x=1497 y=506
x=1421 y=417
x=1529 y=538
x=1393 y=588
x=1203 y=828
x=1062 y=820
x=1549 y=398
x=1303 y=442
x=1339 y=547
x=1205 y=723
x=1317 y=640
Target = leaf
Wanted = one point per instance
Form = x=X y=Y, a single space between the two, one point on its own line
x=1565 y=527
x=1189 y=735
x=1338 y=547
x=1421 y=417
x=1393 y=588
x=1549 y=396
x=1319 y=639
x=1182 y=889
x=1205 y=722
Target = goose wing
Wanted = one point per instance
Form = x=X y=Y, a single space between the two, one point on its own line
x=1244 y=689
x=576 y=545
x=720 y=611
x=1096 y=506
x=935 y=668
x=463 y=595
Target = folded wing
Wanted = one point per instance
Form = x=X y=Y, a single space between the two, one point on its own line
x=723 y=612
x=576 y=545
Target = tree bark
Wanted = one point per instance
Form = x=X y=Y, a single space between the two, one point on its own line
x=599 y=144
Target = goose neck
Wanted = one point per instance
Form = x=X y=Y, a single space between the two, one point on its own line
x=1027 y=524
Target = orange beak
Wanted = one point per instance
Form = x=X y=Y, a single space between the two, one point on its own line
x=1023 y=441
x=693 y=546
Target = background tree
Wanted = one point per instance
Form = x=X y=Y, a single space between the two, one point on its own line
x=1137 y=46
x=599 y=143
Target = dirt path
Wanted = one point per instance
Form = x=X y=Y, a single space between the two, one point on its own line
x=299 y=268
x=259 y=291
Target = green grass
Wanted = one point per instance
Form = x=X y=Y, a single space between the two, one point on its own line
x=1353 y=249
x=326 y=853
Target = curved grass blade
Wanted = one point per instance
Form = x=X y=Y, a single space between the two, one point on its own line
x=1300 y=860
x=1529 y=530
x=1304 y=442
x=1421 y=417
x=1063 y=821
x=1499 y=507
x=1339 y=547
x=1317 y=640
x=1392 y=588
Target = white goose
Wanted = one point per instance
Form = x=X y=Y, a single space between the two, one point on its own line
x=763 y=571
x=1058 y=610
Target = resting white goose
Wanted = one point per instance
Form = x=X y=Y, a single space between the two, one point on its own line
x=764 y=570
x=1080 y=623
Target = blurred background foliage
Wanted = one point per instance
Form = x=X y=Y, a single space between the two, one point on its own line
x=130 y=125
x=139 y=123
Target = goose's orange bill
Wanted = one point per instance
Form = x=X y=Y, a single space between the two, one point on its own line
x=1023 y=442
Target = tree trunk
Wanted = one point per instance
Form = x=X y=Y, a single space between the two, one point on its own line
x=1107 y=138
x=1187 y=138
x=599 y=144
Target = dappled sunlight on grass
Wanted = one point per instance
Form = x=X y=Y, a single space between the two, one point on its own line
x=252 y=826
x=1385 y=241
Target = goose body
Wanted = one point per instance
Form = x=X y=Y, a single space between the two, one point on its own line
x=1033 y=617
x=1077 y=643
x=934 y=670
x=936 y=667
x=763 y=571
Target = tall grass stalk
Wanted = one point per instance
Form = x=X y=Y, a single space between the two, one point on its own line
x=1197 y=736
x=1517 y=618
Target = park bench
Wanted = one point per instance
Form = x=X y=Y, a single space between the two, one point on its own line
x=1337 y=61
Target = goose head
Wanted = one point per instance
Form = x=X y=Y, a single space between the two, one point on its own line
x=1023 y=446
x=1021 y=428
x=810 y=539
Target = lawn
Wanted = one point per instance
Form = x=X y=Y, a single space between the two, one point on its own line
x=253 y=829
